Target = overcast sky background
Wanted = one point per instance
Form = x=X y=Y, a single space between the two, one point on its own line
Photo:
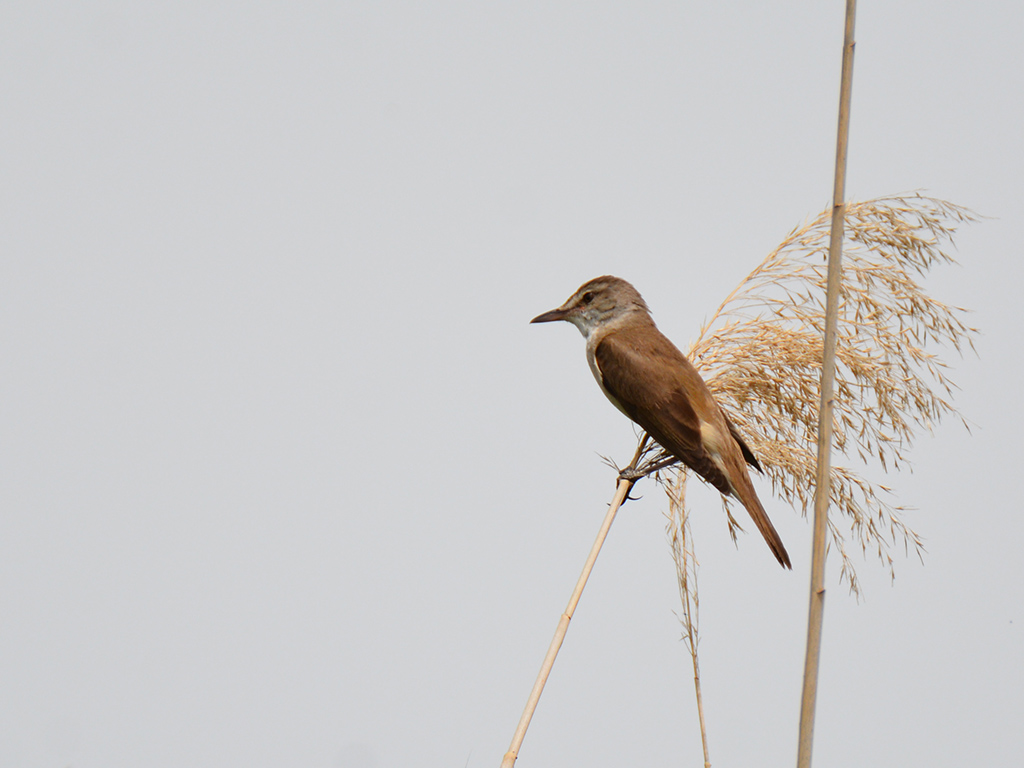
x=288 y=479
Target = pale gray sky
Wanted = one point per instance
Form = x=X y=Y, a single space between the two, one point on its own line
x=289 y=480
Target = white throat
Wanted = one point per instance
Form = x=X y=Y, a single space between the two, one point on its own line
x=585 y=324
x=591 y=323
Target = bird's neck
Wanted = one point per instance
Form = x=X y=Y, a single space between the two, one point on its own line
x=596 y=328
x=620 y=322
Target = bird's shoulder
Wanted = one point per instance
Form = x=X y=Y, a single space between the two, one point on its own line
x=640 y=363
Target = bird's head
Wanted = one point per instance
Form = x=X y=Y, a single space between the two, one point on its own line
x=596 y=303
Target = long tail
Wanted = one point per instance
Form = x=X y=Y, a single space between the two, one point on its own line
x=743 y=489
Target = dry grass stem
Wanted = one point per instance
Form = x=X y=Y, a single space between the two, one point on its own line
x=622 y=488
x=681 y=541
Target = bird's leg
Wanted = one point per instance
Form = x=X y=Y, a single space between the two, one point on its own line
x=632 y=473
x=635 y=473
x=658 y=465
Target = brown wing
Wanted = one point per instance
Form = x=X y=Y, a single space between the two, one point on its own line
x=660 y=390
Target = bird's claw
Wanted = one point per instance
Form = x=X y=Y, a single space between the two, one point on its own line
x=630 y=476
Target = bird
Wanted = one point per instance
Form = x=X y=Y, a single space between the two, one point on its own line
x=655 y=385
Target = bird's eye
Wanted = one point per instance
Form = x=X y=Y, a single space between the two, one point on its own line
x=587 y=297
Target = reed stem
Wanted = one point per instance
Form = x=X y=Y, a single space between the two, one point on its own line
x=822 y=488
x=621 y=492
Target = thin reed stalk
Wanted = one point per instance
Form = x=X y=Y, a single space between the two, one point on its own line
x=637 y=468
x=681 y=541
x=822 y=482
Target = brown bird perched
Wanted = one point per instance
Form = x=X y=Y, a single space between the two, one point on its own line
x=654 y=384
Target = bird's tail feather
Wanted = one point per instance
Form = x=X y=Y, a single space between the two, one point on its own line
x=744 y=491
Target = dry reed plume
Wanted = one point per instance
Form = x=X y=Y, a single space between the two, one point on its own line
x=761 y=351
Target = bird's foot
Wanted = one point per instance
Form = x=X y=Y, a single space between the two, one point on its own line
x=630 y=476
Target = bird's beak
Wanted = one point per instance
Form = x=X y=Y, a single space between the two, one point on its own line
x=550 y=317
